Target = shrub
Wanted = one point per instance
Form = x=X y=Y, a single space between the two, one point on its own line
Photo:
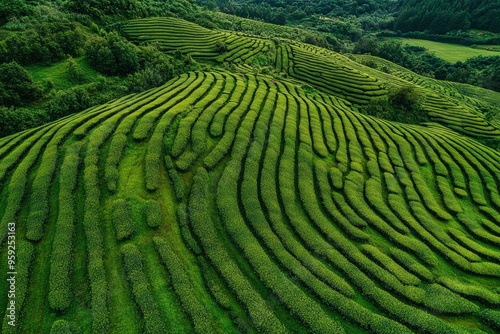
x=491 y=318
x=175 y=178
x=441 y=300
x=184 y=289
x=61 y=261
x=16 y=85
x=112 y=54
x=25 y=252
x=61 y=327
x=141 y=289
x=152 y=211
x=199 y=215
x=122 y=219
x=289 y=294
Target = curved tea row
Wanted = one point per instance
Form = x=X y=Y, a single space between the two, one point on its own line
x=452 y=105
x=227 y=203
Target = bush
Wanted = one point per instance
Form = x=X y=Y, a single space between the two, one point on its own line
x=60 y=295
x=401 y=105
x=141 y=289
x=122 y=219
x=184 y=288
x=61 y=327
x=441 y=300
x=153 y=214
x=491 y=318
x=199 y=215
x=16 y=85
x=112 y=54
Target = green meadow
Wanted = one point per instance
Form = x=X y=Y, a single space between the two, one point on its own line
x=452 y=52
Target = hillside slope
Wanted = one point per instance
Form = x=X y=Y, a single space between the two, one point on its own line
x=325 y=70
x=226 y=203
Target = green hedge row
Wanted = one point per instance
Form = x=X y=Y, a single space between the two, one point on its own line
x=232 y=125
x=299 y=304
x=139 y=105
x=186 y=160
x=482 y=251
x=307 y=267
x=14 y=142
x=449 y=199
x=428 y=198
x=412 y=265
x=394 y=268
x=39 y=198
x=25 y=252
x=61 y=260
x=133 y=264
x=436 y=162
x=92 y=222
x=184 y=288
x=262 y=316
x=403 y=313
x=182 y=103
x=121 y=215
x=145 y=124
x=182 y=218
x=218 y=122
x=373 y=194
x=491 y=318
x=344 y=245
x=440 y=240
x=342 y=214
x=191 y=115
x=153 y=214
x=385 y=163
x=406 y=242
x=443 y=301
x=408 y=186
x=326 y=120
x=475 y=292
x=61 y=326
x=18 y=183
x=201 y=126
x=271 y=201
x=392 y=184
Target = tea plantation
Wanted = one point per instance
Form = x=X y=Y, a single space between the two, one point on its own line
x=229 y=201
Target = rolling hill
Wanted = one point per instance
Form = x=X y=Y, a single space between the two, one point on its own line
x=231 y=201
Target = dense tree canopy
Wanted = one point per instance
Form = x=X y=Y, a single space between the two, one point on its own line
x=441 y=16
x=16 y=85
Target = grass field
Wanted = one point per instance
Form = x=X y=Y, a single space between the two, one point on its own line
x=450 y=52
x=60 y=76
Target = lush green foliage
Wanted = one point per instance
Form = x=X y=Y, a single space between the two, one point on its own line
x=17 y=86
x=254 y=197
x=443 y=16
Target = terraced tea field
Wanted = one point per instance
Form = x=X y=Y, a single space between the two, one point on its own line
x=228 y=203
x=325 y=70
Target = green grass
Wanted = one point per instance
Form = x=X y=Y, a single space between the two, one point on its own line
x=451 y=52
x=58 y=74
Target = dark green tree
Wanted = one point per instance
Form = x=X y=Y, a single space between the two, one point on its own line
x=17 y=86
x=113 y=55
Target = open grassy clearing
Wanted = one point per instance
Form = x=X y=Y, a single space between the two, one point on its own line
x=60 y=76
x=241 y=203
x=452 y=52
